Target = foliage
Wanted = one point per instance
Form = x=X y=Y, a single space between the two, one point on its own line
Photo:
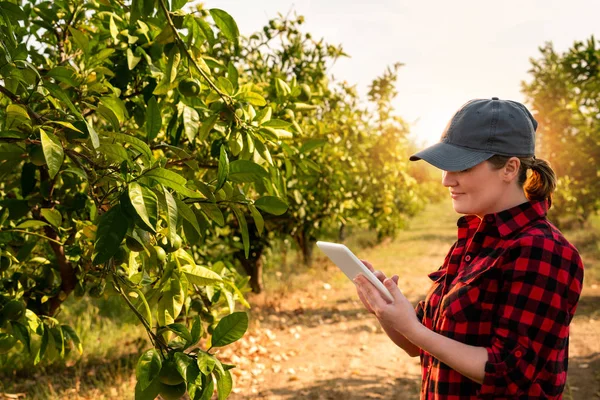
x=146 y=148
x=565 y=93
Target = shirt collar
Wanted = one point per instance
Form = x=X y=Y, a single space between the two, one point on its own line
x=509 y=220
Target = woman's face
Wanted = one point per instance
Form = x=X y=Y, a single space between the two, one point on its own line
x=478 y=190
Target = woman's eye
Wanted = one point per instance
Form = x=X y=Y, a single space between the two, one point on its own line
x=465 y=170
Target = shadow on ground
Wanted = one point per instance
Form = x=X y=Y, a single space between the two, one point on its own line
x=351 y=388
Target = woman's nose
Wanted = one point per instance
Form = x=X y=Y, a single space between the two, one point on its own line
x=448 y=179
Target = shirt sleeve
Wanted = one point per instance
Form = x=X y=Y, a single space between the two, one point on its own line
x=541 y=284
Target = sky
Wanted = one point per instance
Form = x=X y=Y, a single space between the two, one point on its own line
x=452 y=51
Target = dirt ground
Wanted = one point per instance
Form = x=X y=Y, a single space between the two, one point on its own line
x=314 y=340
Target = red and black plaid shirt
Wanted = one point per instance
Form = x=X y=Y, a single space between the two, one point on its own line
x=510 y=283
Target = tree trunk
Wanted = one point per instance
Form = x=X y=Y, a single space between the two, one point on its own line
x=253 y=267
x=342 y=233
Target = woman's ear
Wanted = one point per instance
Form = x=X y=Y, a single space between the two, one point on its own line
x=511 y=169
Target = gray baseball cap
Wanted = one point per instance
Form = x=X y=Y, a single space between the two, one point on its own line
x=479 y=130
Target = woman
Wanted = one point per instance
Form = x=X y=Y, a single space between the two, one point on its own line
x=495 y=323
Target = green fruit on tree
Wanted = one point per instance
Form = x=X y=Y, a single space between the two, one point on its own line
x=97 y=290
x=13 y=310
x=7 y=341
x=171 y=246
x=36 y=154
x=189 y=87
x=169 y=375
x=133 y=244
x=172 y=392
x=161 y=254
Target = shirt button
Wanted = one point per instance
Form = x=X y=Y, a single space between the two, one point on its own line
x=518 y=353
x=468 y=258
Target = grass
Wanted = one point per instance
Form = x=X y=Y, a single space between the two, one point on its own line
x=112 y=339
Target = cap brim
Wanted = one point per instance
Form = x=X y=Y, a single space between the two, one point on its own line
x=448 y=157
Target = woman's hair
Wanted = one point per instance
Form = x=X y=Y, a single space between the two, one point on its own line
x=540 y=184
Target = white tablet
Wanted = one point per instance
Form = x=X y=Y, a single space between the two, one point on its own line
x=351 y=265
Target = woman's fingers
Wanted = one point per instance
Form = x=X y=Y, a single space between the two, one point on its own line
x=395 y=279
x=380 y=275
x=371 y=294
x=368 y=265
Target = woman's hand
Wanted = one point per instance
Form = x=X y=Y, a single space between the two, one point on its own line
x=381 y=276
x=398 y=315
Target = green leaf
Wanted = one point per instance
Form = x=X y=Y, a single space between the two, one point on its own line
x=112 y=228
x=196 y=330
x=229 y=329
x=142 y=305
x=186 y=366
x=246 y=171
x=243 y=227
x=173 y=180
x=182 y=331
x=93 y=134
x=191 y=123
x=153 y=119
x=114 y=152
x=258 y=219
x=263 y=151
x=43 y=345
x=21 y=333
x=207 y=126
x=59 y=340
x=117 y=106
x=201 y=276
x=132 y=59
x=67 y=125
x=213 y=212
x=224 y=384
x=272 y=205
x=114 y=31
x=56 y=91
x=53 y=152
x=52 y=216
x=312 y=144
x=13 y=11
x=136 y=143
x=206 y=362
x=223 y=168
x=71 y=334
x=171 y=302
x=65 y=75
x=148 y=368
x=16 y=115
x=31 y=224
x=187 y=213
x=145 y=203
x=277 y=124
x=81 y=40
x=253 y=98
x=172 y=215
x=226 y=24
x=148 y=8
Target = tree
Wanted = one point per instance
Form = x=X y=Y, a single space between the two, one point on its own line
x=565 y=94
x=123 y=147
